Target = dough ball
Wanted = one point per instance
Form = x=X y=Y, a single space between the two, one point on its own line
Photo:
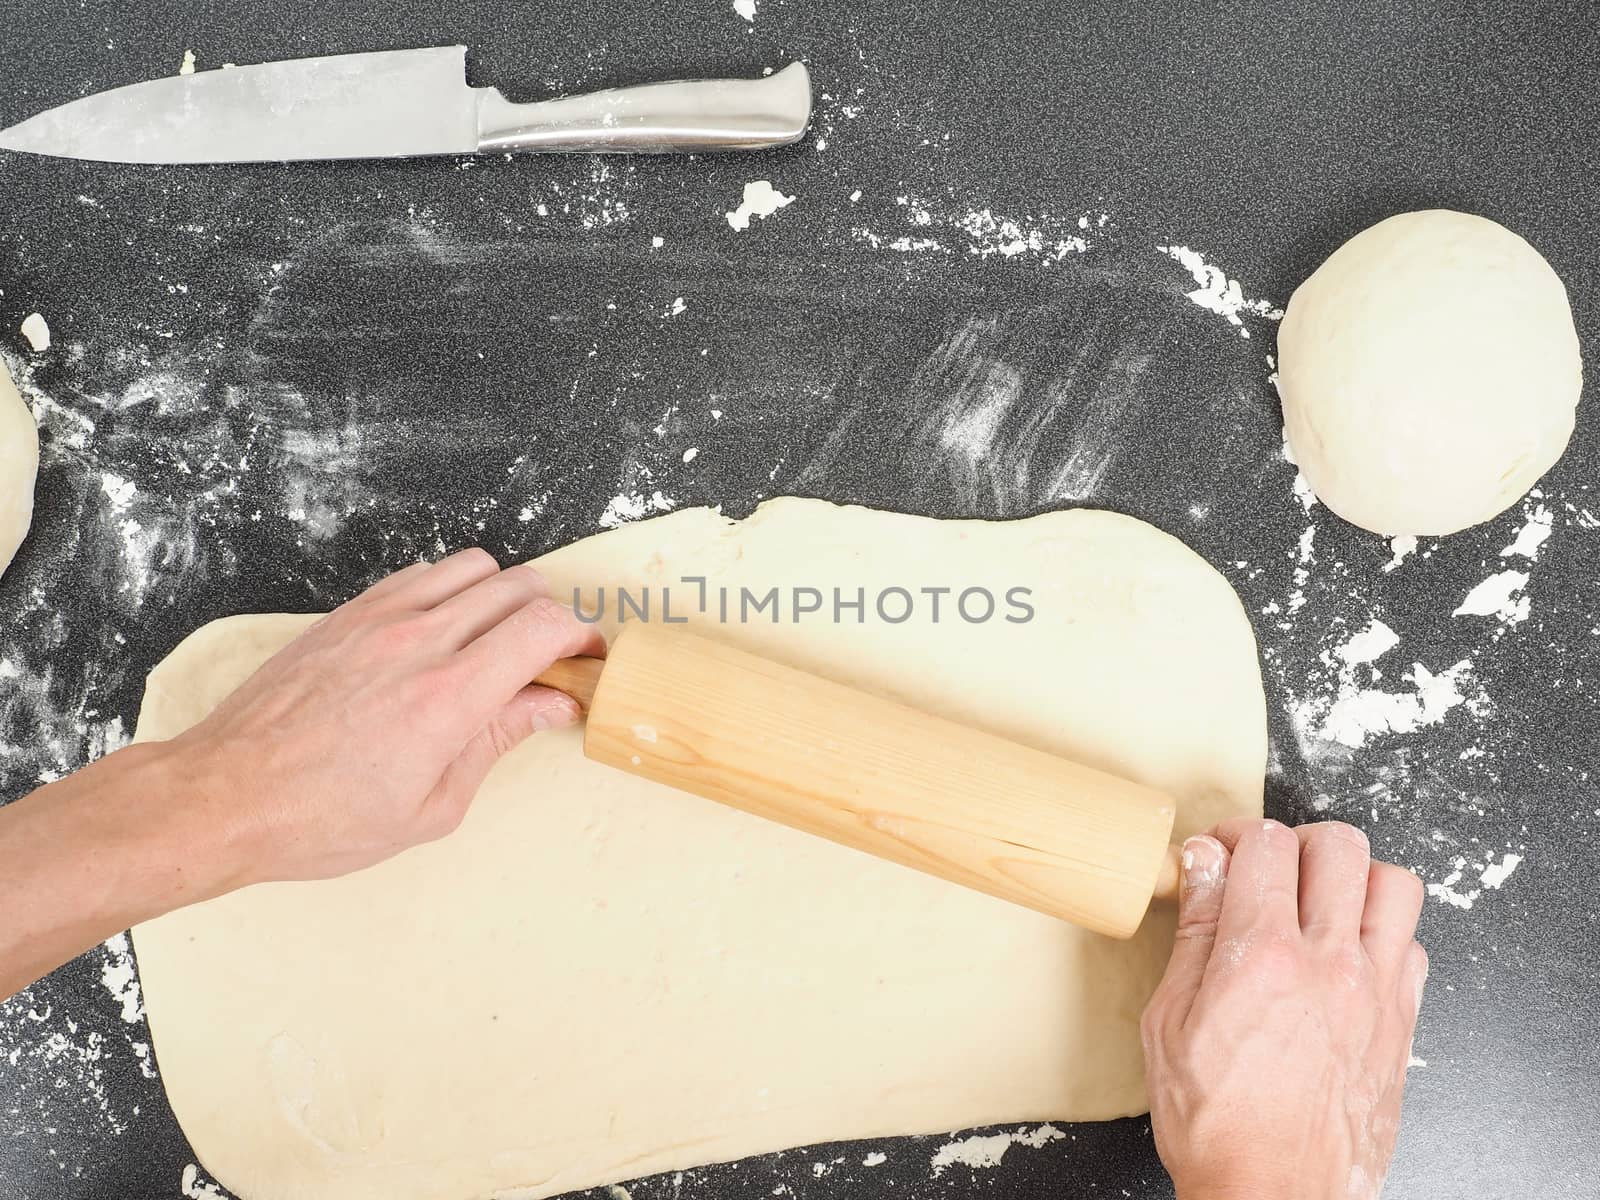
x=19 y=464
x=1430 y=372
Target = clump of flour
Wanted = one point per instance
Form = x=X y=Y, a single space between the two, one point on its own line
x=1219 y=294
x=761 y=199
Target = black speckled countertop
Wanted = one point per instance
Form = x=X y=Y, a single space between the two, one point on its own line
x=269 y=385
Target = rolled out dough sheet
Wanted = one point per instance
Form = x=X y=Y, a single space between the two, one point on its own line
x=597 y=978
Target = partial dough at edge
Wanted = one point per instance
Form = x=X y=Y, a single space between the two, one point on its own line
x=19 y=468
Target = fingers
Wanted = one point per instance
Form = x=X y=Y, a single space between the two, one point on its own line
x=1200 y=893
x=532 y=710
x=1263 y=880
x=470 y=614
x=1334 y=863
x=1413 y=980
x=504 y=660
x=424 y=586
x=1388 y=924
x=379 y=592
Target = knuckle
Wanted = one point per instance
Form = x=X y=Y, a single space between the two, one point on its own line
x=1275 y=956
x=1194 y=925
x=1151 y=1022
x=551 y=620
x=548 y=611
x=1350 y=963
x=441 y=684
x=405 y=635
x=1276 y=832
x=444 y=819
x=502 y=740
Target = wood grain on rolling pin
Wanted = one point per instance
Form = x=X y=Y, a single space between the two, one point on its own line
x=919 y=790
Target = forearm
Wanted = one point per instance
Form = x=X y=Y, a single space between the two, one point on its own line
x=122 y=841
x=1240 y=1192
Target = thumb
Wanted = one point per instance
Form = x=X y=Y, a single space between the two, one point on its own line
x=530 y=711
x=1205 y=875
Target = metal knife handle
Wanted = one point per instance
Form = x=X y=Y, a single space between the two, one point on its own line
x=654 y=118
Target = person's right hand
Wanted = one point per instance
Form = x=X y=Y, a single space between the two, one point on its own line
x=372 y=731
x=1277 y=1045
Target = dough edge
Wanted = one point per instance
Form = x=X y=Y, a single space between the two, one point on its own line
x=19 y=468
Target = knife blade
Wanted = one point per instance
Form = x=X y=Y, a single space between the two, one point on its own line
x=403 y=104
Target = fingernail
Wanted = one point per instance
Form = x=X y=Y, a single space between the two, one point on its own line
x=1202 y=860
x=556 y=716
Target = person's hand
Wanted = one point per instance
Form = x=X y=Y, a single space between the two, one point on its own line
x=372 y=731
x=1276 y=1046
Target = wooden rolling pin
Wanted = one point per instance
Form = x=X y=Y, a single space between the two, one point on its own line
x=875 y=775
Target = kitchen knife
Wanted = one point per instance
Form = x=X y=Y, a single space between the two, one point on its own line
x=402 y=104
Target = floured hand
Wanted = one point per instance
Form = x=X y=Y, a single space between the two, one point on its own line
x=1276 y=1046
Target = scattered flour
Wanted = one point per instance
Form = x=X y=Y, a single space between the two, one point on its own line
x=37 y=330
x=972 y=423
x=1533 y=534
x=1491 y=875
x=986 y=1150
x=761 y=199
x=633 y=506
x=1496 y=597
x=875 y=1159
x=1303 y=492
x=1445 y=889
x=745 y=8
x=1351 y=708
x=989 y=235
x=118 y=976
x=977 y=232
x=194 y=1188
x=1371 y=644
x=1359 y=714
x=1218 y=293
x=1401 y=548
x=1494 y=874
x=187 y=66
x=1306 y=558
